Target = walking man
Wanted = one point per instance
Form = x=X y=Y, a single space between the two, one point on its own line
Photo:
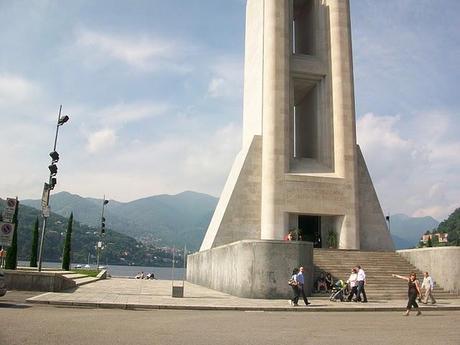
x=301 y=282
x=428 y=285
x=361 y=283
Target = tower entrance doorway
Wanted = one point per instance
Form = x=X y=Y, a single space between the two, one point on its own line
x=310 y=229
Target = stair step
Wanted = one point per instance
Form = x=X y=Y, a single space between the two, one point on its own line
x=87 y=280
x=378 y=267
x=74 y=275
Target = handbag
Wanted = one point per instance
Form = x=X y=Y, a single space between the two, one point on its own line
x=292 y=282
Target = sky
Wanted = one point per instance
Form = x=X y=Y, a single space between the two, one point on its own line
x=154 y=91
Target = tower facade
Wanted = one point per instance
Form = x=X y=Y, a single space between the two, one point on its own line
x=300 y=167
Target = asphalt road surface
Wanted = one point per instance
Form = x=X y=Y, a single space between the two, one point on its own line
x=23 y=324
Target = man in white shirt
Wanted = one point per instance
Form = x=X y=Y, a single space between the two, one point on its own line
x=361 y=283
x=428 y=285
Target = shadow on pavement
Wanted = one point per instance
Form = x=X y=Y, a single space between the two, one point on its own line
x=14 y=306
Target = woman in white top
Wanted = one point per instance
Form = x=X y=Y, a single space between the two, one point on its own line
x=353 y=285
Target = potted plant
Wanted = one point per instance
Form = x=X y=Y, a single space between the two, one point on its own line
x=332 y=239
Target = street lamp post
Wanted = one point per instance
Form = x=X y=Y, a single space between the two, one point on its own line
x=50 y=185
x=388 y=219
x=101 y=233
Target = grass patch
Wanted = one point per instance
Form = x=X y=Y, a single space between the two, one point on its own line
x=89 y=273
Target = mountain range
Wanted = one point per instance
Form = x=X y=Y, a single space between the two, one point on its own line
x=117 y=248
x=168 y=220
x=406 y=231
x=176 y=220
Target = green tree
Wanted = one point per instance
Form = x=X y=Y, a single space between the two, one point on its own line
x=435 y=241
x=451 y=226
x=34 y=247
x=11 y=261
x=67 y=245
x=429 y=243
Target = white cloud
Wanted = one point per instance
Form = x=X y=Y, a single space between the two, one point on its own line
x=123 y=113
x=200 y=160
x=227 y=78
x=15 y=90
x=101 y=140
x=215 y=86
x=414 y=161
x=142 y=52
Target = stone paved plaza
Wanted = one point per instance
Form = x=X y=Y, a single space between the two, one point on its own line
x=155 y=294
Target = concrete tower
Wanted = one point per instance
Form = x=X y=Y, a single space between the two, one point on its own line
x=300 y=166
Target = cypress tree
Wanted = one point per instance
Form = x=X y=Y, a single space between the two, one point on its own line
x=67 y=245
x=34 y=249
x=11 y=261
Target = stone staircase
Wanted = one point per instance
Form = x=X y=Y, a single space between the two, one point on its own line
x=378 y=267
x=79 y=279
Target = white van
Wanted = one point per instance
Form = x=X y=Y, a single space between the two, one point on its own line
x=2 y=283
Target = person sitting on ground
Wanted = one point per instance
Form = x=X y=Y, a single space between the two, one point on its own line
x=321 y=283
x=329 y=281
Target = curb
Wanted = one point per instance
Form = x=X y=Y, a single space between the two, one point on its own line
x=133 y=306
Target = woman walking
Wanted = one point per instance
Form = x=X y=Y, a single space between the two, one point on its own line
x=353 y=285
x=295 y=288
x=413 y=291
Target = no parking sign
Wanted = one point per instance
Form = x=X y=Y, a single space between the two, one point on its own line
x=9 y=210
x=6 y=234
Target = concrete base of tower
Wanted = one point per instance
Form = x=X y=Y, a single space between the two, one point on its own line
x=252 y=268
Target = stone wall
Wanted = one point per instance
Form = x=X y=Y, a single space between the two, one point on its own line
x=442 y=263
x=251 y=268
x=37 y=281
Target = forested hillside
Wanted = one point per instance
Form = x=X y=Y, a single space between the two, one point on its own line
x=118 y=248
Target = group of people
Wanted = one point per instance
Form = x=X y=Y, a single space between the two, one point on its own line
x=297 y=283
x=414 y=291
x=356 y=287
x=324 y=282
x=356 y=283
x=142 y=275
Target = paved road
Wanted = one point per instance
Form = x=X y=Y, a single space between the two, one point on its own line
x=23 y=324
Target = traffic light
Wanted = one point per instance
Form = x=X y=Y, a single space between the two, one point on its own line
x=62 y=120
x=102 y=225
x=53 y=169
x=54 y=156
x=53 y=182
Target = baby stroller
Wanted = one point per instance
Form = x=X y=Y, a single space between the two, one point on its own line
x=339 y=291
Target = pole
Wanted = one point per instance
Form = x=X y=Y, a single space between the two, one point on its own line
x=172 y=268
x=45 y=217
x=185 y=258
x=98 y=249
x=42 y=238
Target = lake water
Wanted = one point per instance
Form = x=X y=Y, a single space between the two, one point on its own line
x=164 y=273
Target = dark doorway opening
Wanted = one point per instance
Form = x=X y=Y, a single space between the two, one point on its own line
x=310 y=229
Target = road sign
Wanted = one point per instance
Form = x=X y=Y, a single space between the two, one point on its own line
x=6 y=234
x=46 y=211
x=45 y=195
x=8 y=212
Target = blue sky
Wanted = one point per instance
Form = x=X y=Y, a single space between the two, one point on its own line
x=154 y=91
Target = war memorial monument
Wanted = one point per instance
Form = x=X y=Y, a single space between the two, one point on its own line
x=300 y=166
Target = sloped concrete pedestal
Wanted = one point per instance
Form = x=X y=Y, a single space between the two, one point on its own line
x=252 y=268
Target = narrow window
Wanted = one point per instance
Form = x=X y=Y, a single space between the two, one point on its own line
x=303 y=27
